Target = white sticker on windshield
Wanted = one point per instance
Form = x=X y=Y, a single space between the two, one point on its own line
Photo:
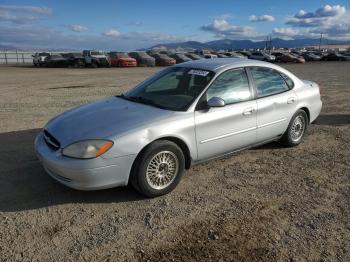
x=198 y=72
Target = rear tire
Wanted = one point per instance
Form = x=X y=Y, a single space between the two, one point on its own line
x=158 y=169
x=296 y=129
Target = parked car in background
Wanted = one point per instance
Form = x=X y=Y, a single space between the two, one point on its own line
x=235 y=55
x=74 y=59
x=286 y=57
x=180 y=58
x=94 y=58
x=247 y=54
x=278 y=56
x=335 y=57
x=166 y=52
x=194 y=56
x=185 y=114
x=121 y=59
x=206 y=54
x=262 y=56
x=308 y=56
x=162 y=59
x=39 y=58
x=222 y=55
x=56 y=60
x=210 y=56
x=142 y=58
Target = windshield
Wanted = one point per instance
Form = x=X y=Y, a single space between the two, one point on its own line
x=143 y=54
x=194 y=56
x=122 y=55
x=182 y=56
x=162 y=56
x=96 y=53
x=174 y=88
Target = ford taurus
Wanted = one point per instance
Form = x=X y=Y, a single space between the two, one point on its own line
x=183 y=115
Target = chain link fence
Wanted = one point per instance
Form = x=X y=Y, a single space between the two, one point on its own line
x=13 y=57
x=16 y=57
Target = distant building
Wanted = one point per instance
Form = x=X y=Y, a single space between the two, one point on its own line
x=329 y=47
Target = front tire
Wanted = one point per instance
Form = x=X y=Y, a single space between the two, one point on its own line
x=296 y=129
x=94 y=64
x=158 y=169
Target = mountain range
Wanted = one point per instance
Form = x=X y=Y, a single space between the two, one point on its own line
x=242 y=44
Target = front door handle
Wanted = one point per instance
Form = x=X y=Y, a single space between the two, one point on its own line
x=291 y=100
x=248 y=111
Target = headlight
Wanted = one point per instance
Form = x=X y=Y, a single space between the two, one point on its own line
x=87 y=149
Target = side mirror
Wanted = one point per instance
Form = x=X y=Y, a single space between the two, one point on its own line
x=216 y=102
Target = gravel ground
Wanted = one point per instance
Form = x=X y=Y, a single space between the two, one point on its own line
x=270 y=203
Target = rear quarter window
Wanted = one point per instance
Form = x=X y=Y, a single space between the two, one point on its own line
x=289 y=81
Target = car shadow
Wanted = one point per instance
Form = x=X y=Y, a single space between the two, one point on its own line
x=271 y=145
x=333 y=120
x=24 y=185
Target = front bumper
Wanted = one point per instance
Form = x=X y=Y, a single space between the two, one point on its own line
x=84 y=174
x=128 y=64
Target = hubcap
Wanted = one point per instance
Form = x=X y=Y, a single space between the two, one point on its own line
x=162 y=170
x=298 y=128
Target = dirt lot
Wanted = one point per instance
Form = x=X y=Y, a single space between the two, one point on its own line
x=270 y=203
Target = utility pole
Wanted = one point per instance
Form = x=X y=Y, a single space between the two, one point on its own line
x=319 y=45
x=270 y=43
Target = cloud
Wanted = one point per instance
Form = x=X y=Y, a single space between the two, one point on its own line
x=144 y=36
x=112 y=33
x=332 y=21
x=77 y=28
x=134 y=23
x=322 y=16
x=29 y=36
x=286 y=32
x=262 y=18
x=223 y=29
x=325 y=11
x=20 y=14
x=26 y=9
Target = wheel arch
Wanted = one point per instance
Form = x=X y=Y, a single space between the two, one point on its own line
x=178 y=141
x=184 y=147
x=307 y=111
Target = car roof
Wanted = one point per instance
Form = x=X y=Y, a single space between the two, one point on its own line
x=219 y=64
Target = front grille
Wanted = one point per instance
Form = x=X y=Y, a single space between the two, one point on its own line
x=51 y=141
x=103 y=60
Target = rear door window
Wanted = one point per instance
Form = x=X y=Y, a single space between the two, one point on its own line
x=268 y=81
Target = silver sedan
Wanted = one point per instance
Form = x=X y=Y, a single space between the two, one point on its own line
x=183 y=115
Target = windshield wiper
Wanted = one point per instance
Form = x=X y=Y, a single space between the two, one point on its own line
x=142 y=100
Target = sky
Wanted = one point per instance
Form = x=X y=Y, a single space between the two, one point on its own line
x=128 y=25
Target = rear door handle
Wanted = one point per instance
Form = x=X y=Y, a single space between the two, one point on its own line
x=248 y=111
x=291 y=100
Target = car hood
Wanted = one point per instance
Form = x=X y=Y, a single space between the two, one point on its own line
x=99 y=56
x=127 y=59
x=102 y=119
x=147 y=58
